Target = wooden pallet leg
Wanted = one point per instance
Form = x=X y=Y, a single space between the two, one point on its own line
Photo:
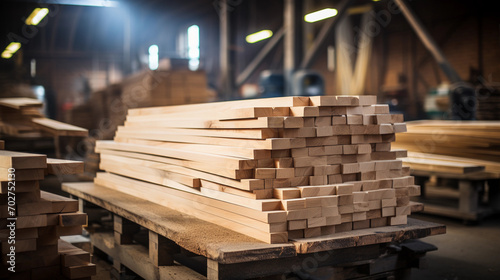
x=161 y=249
x=117 y=270
x=213 y=270
x=124 y=230
x=469 y=196
x=81 y=202
x=494 y=194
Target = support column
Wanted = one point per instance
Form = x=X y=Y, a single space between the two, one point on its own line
x=226 y=88
x=293 y=40
x=469 y=196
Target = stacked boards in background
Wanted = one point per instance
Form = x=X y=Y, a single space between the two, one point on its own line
x=35 y=220
x=457 y=147
x=107 y=108
x=274 y=169
x=21 y=117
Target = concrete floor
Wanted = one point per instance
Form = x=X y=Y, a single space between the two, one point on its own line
x=464 y=252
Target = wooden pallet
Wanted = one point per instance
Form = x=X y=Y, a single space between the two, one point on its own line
x=224 y=254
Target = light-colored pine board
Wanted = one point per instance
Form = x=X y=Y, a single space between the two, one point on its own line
x=224 y=161
x=58 y=128
x=262 y=122
x=20 y=102
x=266 y=102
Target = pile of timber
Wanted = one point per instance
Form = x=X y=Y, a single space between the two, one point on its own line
x=32 y=221
x=107 y=108
x=274 y=169
x=457 y=147
x=21 y=117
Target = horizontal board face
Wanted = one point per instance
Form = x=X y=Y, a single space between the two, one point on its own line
x=20 y=102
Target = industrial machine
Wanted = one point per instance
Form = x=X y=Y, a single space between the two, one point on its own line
x=304 y=83
x=462 y=95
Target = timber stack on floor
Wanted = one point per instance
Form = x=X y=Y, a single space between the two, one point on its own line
x=35 y=220
x=274 y=169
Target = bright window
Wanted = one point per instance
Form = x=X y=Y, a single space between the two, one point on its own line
x=153 y=57
x=193 y=43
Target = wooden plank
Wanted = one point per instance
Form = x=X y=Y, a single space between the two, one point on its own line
x=489 y=165
x=270 y=144
x=262 y=122
x=27 y=221
x=58 y=128
x=256 y=194
x=60 y=204
x=110 y=181
x=21 y=174
x=72 y=219
x=191 y=170
x=266 y=102
x=17 y=160
x=219 y=115
x=62 y=166
x=81 y=270
x=257 y=133
x=367 y=236
x=245 y=153
x=150 y=174
x=441 y=166
x=19 y=186
x=20 y=102
x=208 y=213
x=225 y=162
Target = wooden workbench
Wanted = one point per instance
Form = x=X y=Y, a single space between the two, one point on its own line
x=230 y=255
x=464 y=202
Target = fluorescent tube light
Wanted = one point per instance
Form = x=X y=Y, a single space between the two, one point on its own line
x=36 y=16
x=320 y=15
x=259 y=36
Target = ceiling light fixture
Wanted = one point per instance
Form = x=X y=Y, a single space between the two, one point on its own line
x=36 y=16
x=320 y=15
x=259 y=36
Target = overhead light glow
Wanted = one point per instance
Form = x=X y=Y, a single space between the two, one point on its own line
x=193 y=36
x=259 y=36
x=36 y=16
x=320 y=15
x=6 y=55
x=11 y=49
x=153 y=57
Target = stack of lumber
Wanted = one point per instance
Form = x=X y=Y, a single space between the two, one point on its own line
x=21 y=117
x=457 y=147
x=157 y=88
x=107 y=107
x=274 y=169
x=32 y=221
